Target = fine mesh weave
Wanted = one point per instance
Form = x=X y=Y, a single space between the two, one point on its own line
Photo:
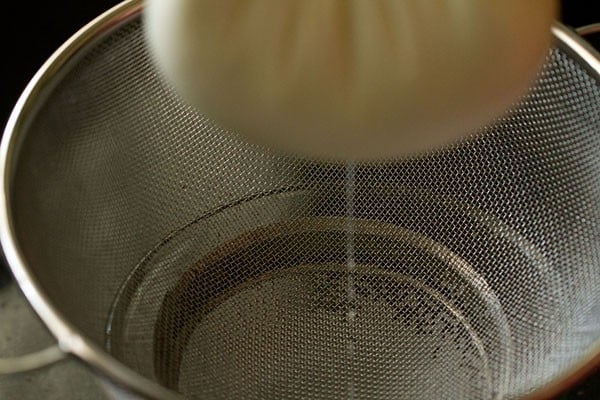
x=223 y=270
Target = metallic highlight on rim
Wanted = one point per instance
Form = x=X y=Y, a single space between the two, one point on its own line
x=70 y=340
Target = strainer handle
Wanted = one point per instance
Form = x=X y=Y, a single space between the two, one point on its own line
x=31 y=361
x=587 y=30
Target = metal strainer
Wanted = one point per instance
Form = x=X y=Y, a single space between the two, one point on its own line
x=173 y=257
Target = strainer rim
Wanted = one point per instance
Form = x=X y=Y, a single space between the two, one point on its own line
x=70 y=339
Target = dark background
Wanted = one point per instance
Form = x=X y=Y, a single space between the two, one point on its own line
x=32 y=30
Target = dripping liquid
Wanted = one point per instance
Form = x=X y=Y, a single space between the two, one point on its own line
x=351 y=309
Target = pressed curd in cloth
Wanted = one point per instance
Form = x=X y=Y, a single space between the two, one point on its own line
x=350 y=79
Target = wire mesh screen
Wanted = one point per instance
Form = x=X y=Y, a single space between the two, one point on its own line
x=223 y=270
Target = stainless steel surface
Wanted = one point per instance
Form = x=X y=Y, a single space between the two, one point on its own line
x=170 y=255
x=21 y=331
x=588 y=29
x=31 y=361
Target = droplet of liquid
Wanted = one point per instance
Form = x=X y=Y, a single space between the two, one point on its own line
x=351 y=316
